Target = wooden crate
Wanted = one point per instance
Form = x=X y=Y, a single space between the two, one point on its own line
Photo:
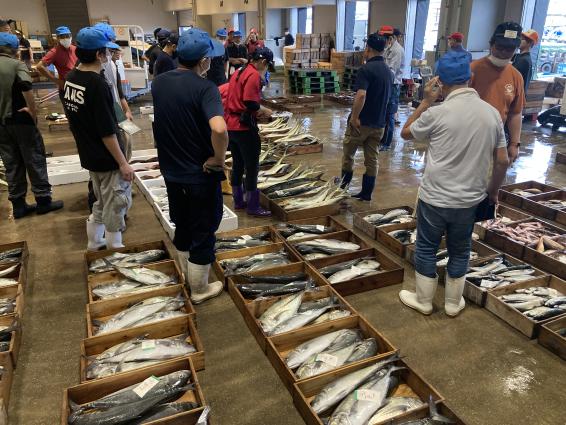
x=253 y=310
x=514 y=317
x=544 y=262
x=102 y=310
x=368 y=228
x=424 y=413
x=305 y=150
x=306 y=390
x=533 y=205
x=168 y=267
x=345 y=235
x=478 y=295
x=170 y=328
x=283 y=215
x=392 y=244
x=502 y=211
x=6 y=380
x=18 y=274
x=550 y=338
x=269 y=203
x=279 y=346
x=17 y=292
x=392 y=273
x=326 y=221
x=250 y=231
x=15 y=340
x=262 y=249
x=130 y=249
x=15 y=245
x=303 y=41
x=93 y=390
x=506 y=195
x=315 y=41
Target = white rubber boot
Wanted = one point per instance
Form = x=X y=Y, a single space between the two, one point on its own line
x=421 y=300
x=201 y=290
x=453 y=300
x=95 y=234
x=114 y=240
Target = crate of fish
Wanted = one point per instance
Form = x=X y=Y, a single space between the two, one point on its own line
x=364 y=393
x=330 y=245
x=436 y=413
x=280 y=194
x=131 y=349
x=10 y=338
x=359 y=271
x=487 y=274
x=167 y=393
x=14 y=253
x=549 y=205
x=327 y=201
x=12 y=274
x=126 y=281
x=549 y=255
x=369 y=221
x=514 y=238
x=307 y=353
x=308 y=228
x=246 y=238
x=6 y=378
x=552 y=335
x=504 y=215
x=527 y=306
x=11 y=301
x=514 y=194
x=135 y=310
x=130 y=256
x=397 y=237
x=248 y=260
x=307 y=309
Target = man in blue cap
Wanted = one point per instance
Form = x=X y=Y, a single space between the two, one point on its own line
x=219 y=65
x=21 y=145
x=237 y=52
x=191 y=138
x=167 y=59
x=466 y=142
x=89 y=106
x=62 y=56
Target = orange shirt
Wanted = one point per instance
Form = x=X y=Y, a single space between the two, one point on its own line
x=502 y=88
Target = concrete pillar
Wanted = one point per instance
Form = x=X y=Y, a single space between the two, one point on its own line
x=340 y=19
x=262 y=18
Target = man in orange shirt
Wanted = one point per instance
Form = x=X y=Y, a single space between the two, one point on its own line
x=500 y=84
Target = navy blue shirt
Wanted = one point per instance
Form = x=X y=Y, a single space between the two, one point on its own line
x=163 y=63
x=376 y=79
x=183 y=104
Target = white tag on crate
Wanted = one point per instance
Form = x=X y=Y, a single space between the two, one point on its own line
x=328 y=359
x=367 y=395
x=142 y=389
x=148 y=345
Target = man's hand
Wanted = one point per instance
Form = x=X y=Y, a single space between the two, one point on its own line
x=356 y=125
x=493 y=197
x=266 y=112
x=127 y=172
x=513 y=152
x=213 y=162
x=129 y=115
x=31 y=114
x=432 y=90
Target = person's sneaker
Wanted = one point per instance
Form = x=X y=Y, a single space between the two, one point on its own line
x=46 y=205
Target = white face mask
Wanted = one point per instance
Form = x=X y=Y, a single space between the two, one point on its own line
x=286 y=32
x=500 y=63
x=65 y=42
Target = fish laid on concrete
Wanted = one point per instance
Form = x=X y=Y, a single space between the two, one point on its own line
x=326 y=246
x=146 y=276
x=253 y=263
x=125 y=260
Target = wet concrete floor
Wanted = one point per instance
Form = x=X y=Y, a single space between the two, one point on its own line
x=488 y=372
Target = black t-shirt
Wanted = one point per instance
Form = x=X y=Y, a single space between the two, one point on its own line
x=183 y=104
x=18 y=102
x=376 y=79
x=163 y=63
x=152 y=54
x=524 y=64
x=217 y=71
x=24 y=54
x=289 y=40
x=237 y=51
x=89 y=107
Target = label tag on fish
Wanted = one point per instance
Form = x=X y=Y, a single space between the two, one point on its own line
x=367 y=395
x=148 y=345
x=328 y=359
x=142 y=389
x=246 y=237
x=241 y=241
x=320 y=227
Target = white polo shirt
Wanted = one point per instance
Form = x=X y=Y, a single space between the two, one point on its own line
x=463 y=131
x=395 y=58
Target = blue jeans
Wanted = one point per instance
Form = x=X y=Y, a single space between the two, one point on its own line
x=392 y=108
x=432 y=224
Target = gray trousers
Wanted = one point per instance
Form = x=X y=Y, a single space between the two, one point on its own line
x=22 y=150
x=113 y=199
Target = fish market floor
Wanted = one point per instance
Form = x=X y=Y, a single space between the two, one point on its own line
x=488 y=372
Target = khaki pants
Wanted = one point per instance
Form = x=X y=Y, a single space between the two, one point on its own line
x=368 y=139
x=113 y=199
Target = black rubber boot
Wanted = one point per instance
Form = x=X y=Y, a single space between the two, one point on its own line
x=21 y=208
x=45 y=205
x=368 y=184
x=346 y=179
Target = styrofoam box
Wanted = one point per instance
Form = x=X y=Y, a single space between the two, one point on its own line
x=144 y=166
x=141 y=183
x=144 y=110
x=229 y=220
x=151 y=117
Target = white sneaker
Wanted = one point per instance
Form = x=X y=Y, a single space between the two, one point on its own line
x=421 y=300
x=453 y=300
x=114 y=240
x=201 y=290
x=95 y=234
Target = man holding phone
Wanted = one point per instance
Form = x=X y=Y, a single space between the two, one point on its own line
x=460 y=156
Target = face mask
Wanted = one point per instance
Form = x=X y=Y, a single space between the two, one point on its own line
x=286 y=32
x=65 y=42
x=500 y=63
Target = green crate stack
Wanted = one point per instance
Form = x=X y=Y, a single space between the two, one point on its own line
x=314 y=82
x=302 y=73
x=349 y=79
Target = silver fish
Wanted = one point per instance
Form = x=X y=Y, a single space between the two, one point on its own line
x=6 y=281
x=107 y=263
x=555 y=302
x=315 y=256
x=543 y=313
x=143 y=257
x=162 y=315
x=298 y=320
x=389 y=216
x=165 y=410
x=332 y=315
x=145 y=275
x=280 y=311
x=330 y=246
x=395 y=406
x=365 y=349
x=362 y=268
x=9 y=270
x=122 y=288
x=316 y=304
x=518 y=298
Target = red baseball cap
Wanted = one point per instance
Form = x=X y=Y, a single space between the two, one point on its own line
x=253 y=31
x=531 y=35
x=231 y=30
x=457 y=36
x=386 y=30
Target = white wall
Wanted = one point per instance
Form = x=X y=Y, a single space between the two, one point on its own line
x=171 y=5
x=221 y=21
x=148 y=14
x=387 y=12
x=324 y=19
x=486 y=14
x=208 y=7
x=185 y=18
x=33 y=12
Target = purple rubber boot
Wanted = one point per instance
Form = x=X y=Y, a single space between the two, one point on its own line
x=253 y=205
x=238 y=195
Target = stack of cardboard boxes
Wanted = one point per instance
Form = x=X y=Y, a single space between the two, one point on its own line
x=310 y=51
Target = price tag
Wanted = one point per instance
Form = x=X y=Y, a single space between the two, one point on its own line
x=246 y=237
x=148 y=345
x=241 y=241
x=320 y=227
x=328 y=359
x=510 y=34
x=142 y=389
x=367 y=395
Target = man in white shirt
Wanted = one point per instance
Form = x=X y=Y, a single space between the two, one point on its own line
x=466 y=142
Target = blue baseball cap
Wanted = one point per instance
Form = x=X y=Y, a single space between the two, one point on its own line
x=91 y=38
x=10 y=40
x=106 y=29
x=62 y=31
x=237 y=33
x=454 y=68
x=163 y=34
x=222 y=32
x=196 y=44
